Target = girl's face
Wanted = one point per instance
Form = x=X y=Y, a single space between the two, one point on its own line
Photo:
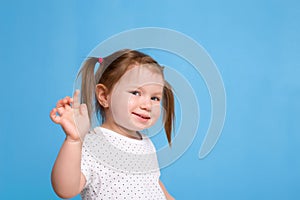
x=134 y=103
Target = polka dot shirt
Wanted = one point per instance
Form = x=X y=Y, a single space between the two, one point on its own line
x=118 y=167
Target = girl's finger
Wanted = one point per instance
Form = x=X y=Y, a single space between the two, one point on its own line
x=60 y=110
x=62 y=102
x=59 y=103
x=67 y=107
x=70 y=101
x=83 y=109
x=54 y=117
x=66 y=100
x=76 y=102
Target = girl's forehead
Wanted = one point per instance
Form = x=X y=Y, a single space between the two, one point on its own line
x=140 y=76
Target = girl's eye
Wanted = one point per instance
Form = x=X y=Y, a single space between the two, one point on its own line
x=136 y=93
x=155 y=98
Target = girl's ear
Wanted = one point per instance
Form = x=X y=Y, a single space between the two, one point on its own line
x=101 y=94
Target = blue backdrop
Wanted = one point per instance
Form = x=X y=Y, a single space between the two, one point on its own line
x=255 y=45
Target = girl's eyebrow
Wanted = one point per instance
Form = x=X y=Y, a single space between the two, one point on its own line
x=142 y=90
x=157 y=93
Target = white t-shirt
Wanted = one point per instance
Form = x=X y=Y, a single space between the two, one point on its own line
x=118 y=167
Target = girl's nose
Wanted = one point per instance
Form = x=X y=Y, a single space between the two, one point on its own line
x=145 y=103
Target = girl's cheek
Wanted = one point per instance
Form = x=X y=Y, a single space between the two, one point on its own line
x=131 y=101
x=156 y=111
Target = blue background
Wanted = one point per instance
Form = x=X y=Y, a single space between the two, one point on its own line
x=255 y=45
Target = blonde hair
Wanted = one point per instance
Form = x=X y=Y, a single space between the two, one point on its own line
x=111 y=69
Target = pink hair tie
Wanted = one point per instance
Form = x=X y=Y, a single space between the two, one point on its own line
x=100 y=60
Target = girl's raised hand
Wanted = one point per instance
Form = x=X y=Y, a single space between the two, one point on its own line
x=72 y=116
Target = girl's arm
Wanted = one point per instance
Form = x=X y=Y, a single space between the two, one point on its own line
x=67 y=179
x=168 y=196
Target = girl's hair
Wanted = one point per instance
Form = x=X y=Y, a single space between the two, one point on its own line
x=111 y=69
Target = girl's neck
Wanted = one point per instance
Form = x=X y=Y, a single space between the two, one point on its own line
x=123 y=131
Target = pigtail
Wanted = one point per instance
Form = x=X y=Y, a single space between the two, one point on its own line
x=169 y=115
x=88 y=84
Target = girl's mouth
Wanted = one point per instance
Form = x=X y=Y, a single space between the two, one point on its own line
x=141 y=116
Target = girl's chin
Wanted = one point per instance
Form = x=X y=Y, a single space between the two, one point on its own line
x=135 y=125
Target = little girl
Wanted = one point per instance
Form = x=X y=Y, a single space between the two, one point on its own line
x=114 y=160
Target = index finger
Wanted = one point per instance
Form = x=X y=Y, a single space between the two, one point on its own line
x=76 y=102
